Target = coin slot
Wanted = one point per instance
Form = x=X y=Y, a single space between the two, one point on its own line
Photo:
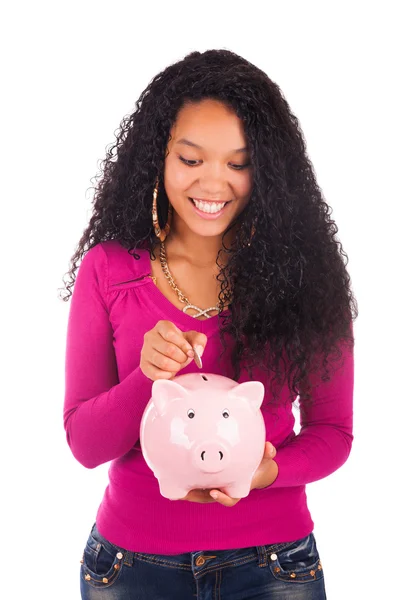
x=204 y=377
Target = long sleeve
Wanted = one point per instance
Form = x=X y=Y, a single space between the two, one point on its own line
x=326 y=435
x=101 y=415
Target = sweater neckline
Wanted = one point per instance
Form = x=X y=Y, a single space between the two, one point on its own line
x=165 y=307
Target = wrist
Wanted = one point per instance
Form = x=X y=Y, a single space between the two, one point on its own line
x=267 y=476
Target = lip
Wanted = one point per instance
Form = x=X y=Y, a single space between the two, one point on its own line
x=209 y=216
x=208 y=200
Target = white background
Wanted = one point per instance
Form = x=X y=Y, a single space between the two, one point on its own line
x=70 y=72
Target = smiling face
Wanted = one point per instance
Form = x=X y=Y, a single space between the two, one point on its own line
x=207 y=175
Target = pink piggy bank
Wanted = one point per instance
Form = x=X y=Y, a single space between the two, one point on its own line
x=202 y=430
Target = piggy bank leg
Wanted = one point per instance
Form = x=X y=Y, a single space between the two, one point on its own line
x=237 y=490
x=172 y=491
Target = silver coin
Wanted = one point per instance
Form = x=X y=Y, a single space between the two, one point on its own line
x=197 y=360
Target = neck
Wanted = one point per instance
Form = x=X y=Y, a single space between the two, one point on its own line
x=197 y=249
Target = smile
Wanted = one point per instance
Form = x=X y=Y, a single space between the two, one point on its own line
x=209 y=207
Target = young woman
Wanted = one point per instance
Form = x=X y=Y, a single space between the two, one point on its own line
x=209 y=234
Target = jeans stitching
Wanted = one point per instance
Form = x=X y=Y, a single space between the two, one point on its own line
x=100 y=539
x=94 y=576
x=270 y=549
x=262 y=557
x=239 y=561
x=155 y=560
x=303 y=578
x=110 y=547
x=217 y=588
x=235 y=563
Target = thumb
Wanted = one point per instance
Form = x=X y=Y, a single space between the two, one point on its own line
x=197 y=340
x=269 y=450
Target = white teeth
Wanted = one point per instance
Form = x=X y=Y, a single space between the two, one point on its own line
x=209 y=207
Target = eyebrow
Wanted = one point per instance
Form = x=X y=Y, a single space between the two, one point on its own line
x=189 y=143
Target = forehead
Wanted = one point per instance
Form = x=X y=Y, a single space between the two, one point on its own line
x=209 y=124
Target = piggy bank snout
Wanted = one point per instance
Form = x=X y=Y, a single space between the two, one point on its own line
x=211 y=457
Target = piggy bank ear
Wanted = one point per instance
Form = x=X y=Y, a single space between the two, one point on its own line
x=164 y=391
x=252 y=391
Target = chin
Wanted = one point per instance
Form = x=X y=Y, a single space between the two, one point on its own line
x=205 y=230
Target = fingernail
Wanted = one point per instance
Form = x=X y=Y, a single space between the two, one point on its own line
x=199 y=350
x=214 y=495
x=190 y=353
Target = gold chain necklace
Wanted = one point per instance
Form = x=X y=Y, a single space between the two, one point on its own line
x=182 y=297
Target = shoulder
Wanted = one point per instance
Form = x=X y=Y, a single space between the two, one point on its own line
x=110 y=263
x=121 y=265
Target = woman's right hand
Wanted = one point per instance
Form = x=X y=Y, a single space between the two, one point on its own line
x=166 y=350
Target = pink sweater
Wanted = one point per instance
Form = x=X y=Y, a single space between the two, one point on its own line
x=112 y=306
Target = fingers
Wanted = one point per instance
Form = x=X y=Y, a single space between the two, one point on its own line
x=223 y=498
x=168 y=356
x=196 y=340
x=166 y=350
x=202 y=496
x=206 y=496
x=153 y=373
x=170 y=333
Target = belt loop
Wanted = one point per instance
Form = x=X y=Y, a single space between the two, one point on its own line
x=128 y=558
x=262 y=556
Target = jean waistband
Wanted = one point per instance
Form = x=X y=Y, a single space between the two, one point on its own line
x=198 y=561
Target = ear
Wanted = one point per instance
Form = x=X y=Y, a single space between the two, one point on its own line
x=164 y=391
x=251 y=391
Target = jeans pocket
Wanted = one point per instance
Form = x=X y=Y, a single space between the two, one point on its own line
x=102 y=563
x=298 y=562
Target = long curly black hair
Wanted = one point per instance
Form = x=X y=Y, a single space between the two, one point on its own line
x=292 y=306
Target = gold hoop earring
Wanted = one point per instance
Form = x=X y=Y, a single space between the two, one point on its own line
x=160 y=233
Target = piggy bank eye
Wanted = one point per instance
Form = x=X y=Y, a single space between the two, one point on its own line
x=225 y=414
x=190 y=413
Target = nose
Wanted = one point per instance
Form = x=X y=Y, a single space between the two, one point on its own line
x=213 y=183
x=211 y=457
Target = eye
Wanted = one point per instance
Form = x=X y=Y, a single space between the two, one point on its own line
x=225 y=413
x=194 y=163
x=187 y=162
x=240 y=167
x=190 y=413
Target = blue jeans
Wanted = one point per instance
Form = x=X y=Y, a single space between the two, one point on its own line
x=286 y=571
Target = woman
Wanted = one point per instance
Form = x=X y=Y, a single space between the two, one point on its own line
x=209 y=235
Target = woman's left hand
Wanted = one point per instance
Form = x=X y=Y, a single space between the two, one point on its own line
x=265 y=475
